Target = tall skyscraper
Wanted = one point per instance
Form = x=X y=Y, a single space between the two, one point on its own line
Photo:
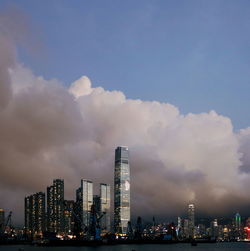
x=2 y=222
x=121 y=190
x=84 y=200
x=35 y=214
x=55 y=206
x=191 y=220
x=105 y=206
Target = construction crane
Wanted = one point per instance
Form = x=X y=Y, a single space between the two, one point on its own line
x=8 y=228
x=76 y=216
x=9 y=221
x=94 y=227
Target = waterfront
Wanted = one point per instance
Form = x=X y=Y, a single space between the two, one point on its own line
x=234 y=246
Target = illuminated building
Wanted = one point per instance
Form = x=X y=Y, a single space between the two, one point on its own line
x=178 y=229
x=2 y=222
x=191 y=220
x=105 y=206
x=121 y=190
x=247 y=229
x=55 y=206
x=84 y=200
x=185 y=232
x=68 y=216
x=50 y=207
x=237 y=220
x=27 y=214
x=201 y=230
x=214 y=228
x=35 y=213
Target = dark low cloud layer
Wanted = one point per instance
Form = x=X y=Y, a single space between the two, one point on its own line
x=48 y=131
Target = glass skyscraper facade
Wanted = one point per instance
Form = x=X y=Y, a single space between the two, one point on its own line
x=121 y=190
x=84 y=200
x=105 y=206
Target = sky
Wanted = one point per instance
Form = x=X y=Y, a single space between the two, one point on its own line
x=194 y=54
x=167 y=79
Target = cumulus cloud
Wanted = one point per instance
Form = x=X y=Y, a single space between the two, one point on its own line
x=48 y=131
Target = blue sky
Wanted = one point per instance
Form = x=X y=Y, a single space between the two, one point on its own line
x=193 y=54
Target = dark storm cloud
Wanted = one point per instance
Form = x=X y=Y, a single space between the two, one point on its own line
x=48 y=131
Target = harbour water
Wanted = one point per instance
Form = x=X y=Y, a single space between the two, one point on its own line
x=231 y=246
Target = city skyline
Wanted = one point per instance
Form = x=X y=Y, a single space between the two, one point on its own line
x=51 y=213
x=184 y=116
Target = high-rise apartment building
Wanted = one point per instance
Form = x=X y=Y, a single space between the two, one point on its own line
x=121 y=190
x=84 y=201
x=35 y=214
x=191 y=221
x=55 y=206
x=2 y=221
x=105 y=206
x=69 y=217
x=50 y=209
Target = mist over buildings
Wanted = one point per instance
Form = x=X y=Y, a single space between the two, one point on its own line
x=49 y=131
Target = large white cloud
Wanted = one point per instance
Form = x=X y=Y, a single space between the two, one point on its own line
x=49 y=131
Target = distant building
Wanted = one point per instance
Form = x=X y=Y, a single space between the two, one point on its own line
x=121 y=190
x=2 y=221
x=238 y=229
x=84 y=200
x=237 y=221
x=105 y=206
x=214 y=229
x=185 y=232
x=55 y=206
x=201 y=230
x=35 y=214
x=191 y=218
x=247 y=229
x=178 y=228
